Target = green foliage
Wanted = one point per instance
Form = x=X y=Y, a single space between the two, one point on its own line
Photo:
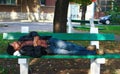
x=3 y=70
x=3 y=44
x=83 y=2
x=115 y=18
x=116 y=6
x=115 y=12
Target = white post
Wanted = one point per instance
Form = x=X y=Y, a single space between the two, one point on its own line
x=69 y=24
x=92 y=22
x=23 y=65
x=24 y=61
x=24 y=29
x=95 y=67
x=95 y=63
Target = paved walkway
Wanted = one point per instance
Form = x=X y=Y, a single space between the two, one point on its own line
x=117 y=38
x=33 y=26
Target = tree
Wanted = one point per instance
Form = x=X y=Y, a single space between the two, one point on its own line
x=116 y=5
x=60 y=16
x=84 y=9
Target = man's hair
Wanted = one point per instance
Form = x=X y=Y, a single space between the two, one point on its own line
x=10 y=49
x=33 y=34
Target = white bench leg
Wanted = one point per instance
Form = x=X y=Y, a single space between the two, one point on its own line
x=23 y=61
x=94 y=67
x=23 y=65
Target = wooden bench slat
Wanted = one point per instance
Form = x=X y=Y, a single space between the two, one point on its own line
x=84 y=36
x=83 y=21
x=5 y=56
x=109 y=56
x=64 y=36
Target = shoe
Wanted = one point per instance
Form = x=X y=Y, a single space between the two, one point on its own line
x=91 y=47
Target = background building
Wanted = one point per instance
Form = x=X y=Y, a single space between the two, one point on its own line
x=103 y=6
x=26 y=9
x=44 y=9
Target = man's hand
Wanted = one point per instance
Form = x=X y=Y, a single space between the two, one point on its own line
x=35 y=41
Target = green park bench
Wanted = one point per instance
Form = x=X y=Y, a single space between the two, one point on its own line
x=83 y=21
x=63 y=36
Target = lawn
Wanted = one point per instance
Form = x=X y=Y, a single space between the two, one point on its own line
x=115 y=29
x=3 y=44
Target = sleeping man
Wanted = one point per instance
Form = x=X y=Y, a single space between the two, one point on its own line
x=35 y=46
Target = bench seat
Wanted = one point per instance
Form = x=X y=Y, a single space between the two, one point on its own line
x=108 y=56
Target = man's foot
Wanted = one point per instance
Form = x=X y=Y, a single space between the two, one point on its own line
x=91 y=47
x=100 y=51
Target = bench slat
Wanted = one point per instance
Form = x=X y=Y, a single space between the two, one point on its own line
x=109 y=56
x=84 y=21
x=66 y=36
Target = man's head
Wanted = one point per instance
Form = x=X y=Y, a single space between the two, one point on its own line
x=10 y=49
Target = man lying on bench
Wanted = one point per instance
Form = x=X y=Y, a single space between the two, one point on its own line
x=35 y=46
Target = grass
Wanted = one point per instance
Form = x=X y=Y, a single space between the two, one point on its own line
x=3 y=44
x=111 y=29
x=115 y=29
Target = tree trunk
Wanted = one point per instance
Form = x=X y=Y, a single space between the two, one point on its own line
x=84 y=9
x=60 y=17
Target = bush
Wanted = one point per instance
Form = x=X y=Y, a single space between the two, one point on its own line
x=115 y=18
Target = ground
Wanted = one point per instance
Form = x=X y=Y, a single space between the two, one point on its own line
x=47 y=66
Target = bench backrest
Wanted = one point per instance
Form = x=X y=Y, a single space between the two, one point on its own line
x=66 y=36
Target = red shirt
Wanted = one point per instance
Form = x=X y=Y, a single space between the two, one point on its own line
x=40 y=42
